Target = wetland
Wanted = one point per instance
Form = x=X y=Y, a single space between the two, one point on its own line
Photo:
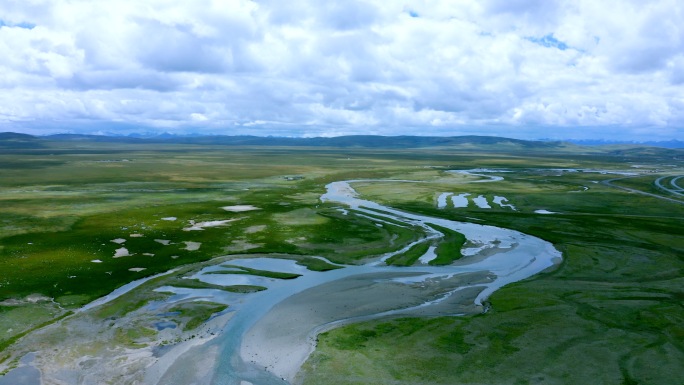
x=369 y=267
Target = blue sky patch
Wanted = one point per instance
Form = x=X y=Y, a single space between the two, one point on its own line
x=549 y=41
x=23 y=25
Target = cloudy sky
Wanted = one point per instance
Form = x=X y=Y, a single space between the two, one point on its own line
x=519 y=68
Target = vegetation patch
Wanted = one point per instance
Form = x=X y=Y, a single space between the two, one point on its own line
x=194 y=314
x=449 y=247
x=261 y=273
x=410 y=256
x=317 y=264
x=245 y=288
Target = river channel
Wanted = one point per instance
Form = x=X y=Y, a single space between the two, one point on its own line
x=272 y=332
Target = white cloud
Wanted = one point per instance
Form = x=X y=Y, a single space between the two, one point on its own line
x=318 y=68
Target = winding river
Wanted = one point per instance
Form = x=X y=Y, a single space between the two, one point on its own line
x=272 y=332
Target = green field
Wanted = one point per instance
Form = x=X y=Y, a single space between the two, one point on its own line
x=612 y=313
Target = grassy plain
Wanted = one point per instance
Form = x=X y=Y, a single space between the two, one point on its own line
x=611 y=313
x=63 y=206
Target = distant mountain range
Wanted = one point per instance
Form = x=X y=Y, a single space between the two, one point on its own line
x=19 y=141
x=602 y=142
x=370 y=141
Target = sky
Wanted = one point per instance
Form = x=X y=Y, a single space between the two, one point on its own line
x=529 y=69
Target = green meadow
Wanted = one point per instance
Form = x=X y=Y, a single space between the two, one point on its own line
x=611 y=313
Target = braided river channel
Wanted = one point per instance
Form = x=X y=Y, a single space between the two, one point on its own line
x=271 y=333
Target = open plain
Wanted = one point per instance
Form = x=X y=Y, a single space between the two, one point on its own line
x=133 y=262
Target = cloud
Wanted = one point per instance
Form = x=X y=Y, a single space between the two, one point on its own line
x=515 y=68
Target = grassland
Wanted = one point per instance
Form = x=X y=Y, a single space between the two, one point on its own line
x=63 y=205
x=611 y=313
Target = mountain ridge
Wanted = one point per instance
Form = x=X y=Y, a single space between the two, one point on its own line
x=367 y=141
x=26 y=141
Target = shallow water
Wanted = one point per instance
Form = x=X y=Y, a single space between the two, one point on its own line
x=442 y=200
x=428 y=256
x=481 y=202
x=460 y=200
x=271 y=264
x=24 y=374
x=161 y=325
x=501 y=202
